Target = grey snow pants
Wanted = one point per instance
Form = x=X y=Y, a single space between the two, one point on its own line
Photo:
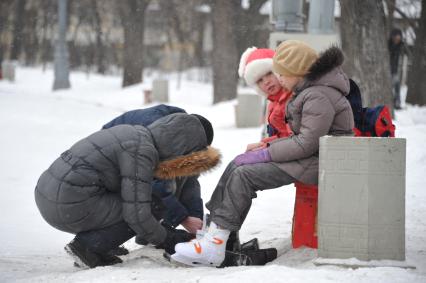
x=232 y=197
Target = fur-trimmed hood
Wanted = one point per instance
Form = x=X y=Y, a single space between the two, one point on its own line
x=182 y=147
x=189 y=165
x=177 y=135
x=327 y=71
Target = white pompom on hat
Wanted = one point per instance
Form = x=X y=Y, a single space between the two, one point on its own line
x=255 y=63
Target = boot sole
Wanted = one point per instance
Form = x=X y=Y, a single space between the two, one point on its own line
x=183 y=261
x=77 y=261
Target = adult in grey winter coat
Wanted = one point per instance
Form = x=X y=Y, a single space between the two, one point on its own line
x=317 y=108
x=100 y=189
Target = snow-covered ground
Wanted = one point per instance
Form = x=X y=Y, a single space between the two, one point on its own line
x=36 y=125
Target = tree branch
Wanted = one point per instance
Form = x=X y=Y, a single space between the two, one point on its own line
x=411 y=22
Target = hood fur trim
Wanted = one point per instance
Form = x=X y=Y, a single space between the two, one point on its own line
x=188 y=165
x=327 y=61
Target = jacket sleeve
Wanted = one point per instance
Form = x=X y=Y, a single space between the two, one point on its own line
x=136 y=168
x=316 y=119
x=188 y=204
x=114 y=122
x=175 y=212
x=191 y=197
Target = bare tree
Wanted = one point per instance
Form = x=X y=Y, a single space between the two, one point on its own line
x=417 y=74
x=363 y=36
x=30 y=40
x=247 y=23
x=224 y=57
x=132 y=13
x=179 y=15
x=234 y=29
x=48 y=14
x=18 y=25
x=199 y=26
x=407 y=16
x=390 y=5
x=186 y=22
x=97 y=23
x=4 y=19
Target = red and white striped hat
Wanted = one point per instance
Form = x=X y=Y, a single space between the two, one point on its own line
x=255 y=63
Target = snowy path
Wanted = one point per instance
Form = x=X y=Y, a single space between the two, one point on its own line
x=37 y=125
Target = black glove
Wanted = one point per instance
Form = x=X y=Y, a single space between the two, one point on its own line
x=174 y=236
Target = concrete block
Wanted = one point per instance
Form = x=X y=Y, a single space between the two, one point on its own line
x=319 y=42
x=361 y=203
x=8 y=70
x=249 y=110
x=160 y=90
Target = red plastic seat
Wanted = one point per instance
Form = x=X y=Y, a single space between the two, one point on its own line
x=304 y=231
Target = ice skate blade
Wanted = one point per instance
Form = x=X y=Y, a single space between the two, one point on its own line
x=183 y=261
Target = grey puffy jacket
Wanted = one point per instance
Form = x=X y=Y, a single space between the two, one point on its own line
x=106 y=178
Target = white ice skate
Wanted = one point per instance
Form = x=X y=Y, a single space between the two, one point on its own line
x=200 y=233
x=207 y=251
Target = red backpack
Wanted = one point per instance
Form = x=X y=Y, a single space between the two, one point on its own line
x=369 y=121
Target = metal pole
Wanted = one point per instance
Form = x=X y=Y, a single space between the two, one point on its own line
x=288 y=15
x=61 y=50
x=321 y=17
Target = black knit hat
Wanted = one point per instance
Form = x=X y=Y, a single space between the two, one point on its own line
x=208 y=129
x=396 y=31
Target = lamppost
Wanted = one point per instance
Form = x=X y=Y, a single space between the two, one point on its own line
x=287 y=17
x=61 y=51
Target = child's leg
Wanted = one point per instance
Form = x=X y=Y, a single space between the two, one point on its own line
x=231 y=200
x=229 y=206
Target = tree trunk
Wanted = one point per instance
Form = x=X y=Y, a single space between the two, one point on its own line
x=364 y=38
x=100 y=50
x=199 y=60
x=30 y=42
x=48 y=9
x=390 y=4
x=132 y=17
x=4 y=19
x=225 y=57
x=18 y=25
x=247 y=22
x=417 y=74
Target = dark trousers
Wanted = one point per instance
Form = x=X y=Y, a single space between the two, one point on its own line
x=396 y=89
x=232 y=197
x=104 y=240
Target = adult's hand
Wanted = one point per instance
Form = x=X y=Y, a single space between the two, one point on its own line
x=192 y=224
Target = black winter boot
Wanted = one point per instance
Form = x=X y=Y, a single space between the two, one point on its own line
x=84 y=257
x=121 y=250
x=260 y=256
x=141 y=241
x=233 y=243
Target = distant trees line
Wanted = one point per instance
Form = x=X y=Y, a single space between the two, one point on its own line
x=130 y=35
x=133 y=34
